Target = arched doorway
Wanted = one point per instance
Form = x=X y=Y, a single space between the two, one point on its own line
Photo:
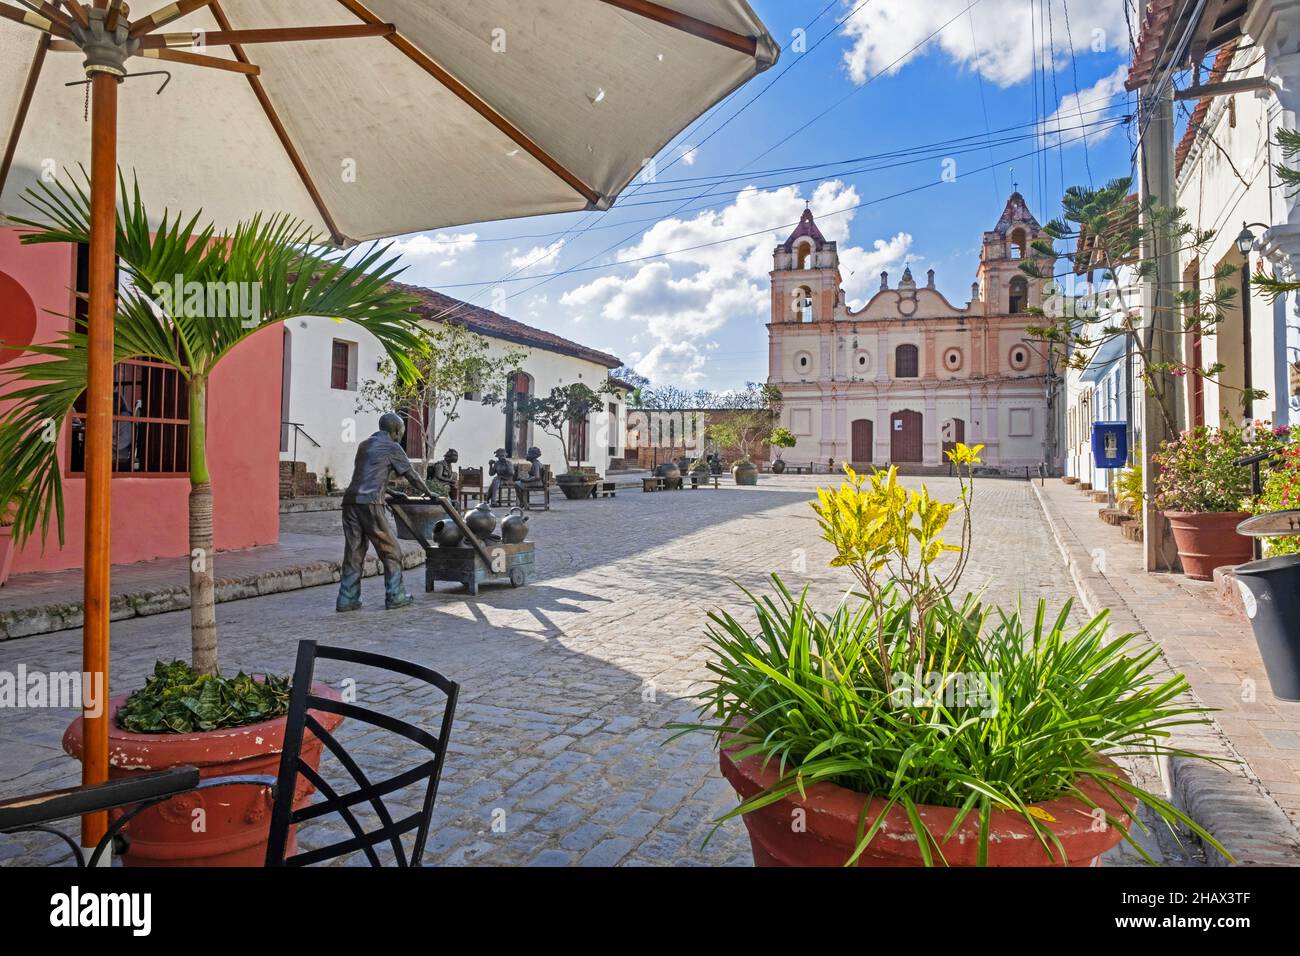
x=862 y=442
x=905 y=442
x=951 y=432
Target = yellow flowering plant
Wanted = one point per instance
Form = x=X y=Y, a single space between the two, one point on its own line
x=892 y=537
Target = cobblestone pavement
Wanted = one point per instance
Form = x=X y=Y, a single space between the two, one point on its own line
x=559 y=752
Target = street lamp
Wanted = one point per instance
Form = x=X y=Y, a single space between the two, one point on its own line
x=1245 y=243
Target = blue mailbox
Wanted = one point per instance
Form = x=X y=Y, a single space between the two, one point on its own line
x=1110 y=444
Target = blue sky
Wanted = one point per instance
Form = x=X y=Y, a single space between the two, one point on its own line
x=696 y=318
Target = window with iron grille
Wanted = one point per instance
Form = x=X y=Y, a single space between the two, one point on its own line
x=151 y=413
x=906 y=362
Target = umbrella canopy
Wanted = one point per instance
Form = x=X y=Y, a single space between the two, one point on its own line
x=365 y=119
x=448 y=112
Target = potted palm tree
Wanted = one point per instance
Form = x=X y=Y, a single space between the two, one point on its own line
x=277 y=262
x=910 y=728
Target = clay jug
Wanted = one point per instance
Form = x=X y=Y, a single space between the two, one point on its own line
x=446 y=533
x=514 y=529
x=481 y=521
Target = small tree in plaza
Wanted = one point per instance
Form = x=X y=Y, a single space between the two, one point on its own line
x=451 y=363
x=747 y=418
x=555 y=413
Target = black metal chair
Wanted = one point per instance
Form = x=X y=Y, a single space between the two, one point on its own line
x=143 y=790
x=391 y=831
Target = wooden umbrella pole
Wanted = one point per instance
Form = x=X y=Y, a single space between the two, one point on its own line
x=99 y=429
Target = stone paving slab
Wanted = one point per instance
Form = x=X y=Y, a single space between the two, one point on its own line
x=1251 y=803
x=561 y=752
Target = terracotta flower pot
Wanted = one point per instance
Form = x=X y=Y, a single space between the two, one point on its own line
x=6 y=552
x=236 y=819
x=1209 y=540
x=830 y=818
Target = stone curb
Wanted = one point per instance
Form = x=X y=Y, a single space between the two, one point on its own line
x=47 y=618
x=1231 y=805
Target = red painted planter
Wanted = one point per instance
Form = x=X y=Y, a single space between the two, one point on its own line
x=1208 y=541
x=830 y=826
x=237 y=818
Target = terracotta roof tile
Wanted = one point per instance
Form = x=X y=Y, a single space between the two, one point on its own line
x=1151 y=44
x=443 y=308
x=1221 y=64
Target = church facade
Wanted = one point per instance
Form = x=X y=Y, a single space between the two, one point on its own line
x=909 y=374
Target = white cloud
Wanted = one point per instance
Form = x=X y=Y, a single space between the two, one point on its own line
x=683 y=298
x=688 y=154
x=995 y=36
x=442 y=248
x=536 y=257
x=1078 y=109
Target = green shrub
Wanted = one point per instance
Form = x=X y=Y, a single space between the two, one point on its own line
x=178 y=700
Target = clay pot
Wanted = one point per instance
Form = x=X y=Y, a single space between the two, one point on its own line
x=481 y=521
x=1209 y=540
x=424 y=515
x=576 y=488
x=778 y=467
x=514 y=529
x=832 y=814
x=744 y=473
x=237 y=818
x=447 y=533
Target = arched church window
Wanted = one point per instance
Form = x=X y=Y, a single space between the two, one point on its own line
x=1018 y=295
x=906 y=364
x=803 y=303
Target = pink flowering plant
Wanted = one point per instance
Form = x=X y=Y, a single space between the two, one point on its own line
x=1282 y=493
x=1198 y=471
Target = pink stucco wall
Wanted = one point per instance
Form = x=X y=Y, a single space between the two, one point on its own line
x=150 y=514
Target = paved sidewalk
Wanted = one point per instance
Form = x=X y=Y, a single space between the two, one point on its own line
x=1243 y=805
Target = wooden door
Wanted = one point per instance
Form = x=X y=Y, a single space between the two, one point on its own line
x=905 y=443
x=954 y=431
x=863 y=439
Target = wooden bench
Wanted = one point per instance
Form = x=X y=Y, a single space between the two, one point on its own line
x=605 y=489
x=702 y=481
x=660 y=483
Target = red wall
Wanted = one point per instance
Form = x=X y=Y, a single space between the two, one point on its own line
x=150 y=515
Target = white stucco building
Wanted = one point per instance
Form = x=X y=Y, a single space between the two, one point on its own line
x=326 y=362
x=1225 y=180
x=909 y=373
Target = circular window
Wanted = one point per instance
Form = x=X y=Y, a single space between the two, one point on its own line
x=803 y=361
x=862 y=361
x=1019 y=358
x=952 y=359
x=17 y=318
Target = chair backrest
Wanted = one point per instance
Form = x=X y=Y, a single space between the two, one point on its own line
x=292 y=765
x=471 y=478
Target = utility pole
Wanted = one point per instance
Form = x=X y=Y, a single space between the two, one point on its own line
x=1162 y=409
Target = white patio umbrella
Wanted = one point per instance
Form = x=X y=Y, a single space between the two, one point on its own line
x=366 y=119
